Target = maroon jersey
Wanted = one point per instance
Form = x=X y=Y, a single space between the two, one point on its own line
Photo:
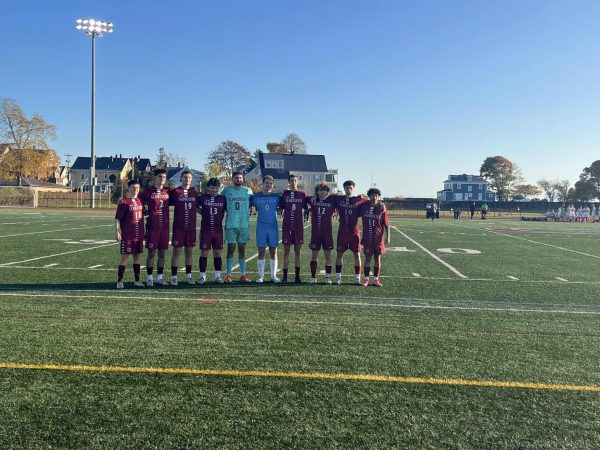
x=212 y=210
x=185 y=201
x=130 y=215
x=321 y=214
x=158 y=207
x=374 y=219
x=292 y=204
x=349 y=212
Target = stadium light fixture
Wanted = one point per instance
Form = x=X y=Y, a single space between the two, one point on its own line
x=93 y=28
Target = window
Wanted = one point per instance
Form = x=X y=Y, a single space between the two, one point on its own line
x=469 y=178
x=481 y=187
x=458 y=196
x=274 y=164
x=105 y=176
x=479 y=196
x=299 y=178
x=82 y=176
x=469 y=188
x=458 y=186
x=317 y=178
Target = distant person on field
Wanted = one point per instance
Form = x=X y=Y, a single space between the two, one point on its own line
x=484 y=211
x=129 y=231
x=472 y=210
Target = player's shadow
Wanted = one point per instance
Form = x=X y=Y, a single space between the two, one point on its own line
x=103 y=287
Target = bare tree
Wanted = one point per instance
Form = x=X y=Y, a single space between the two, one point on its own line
x=549 y=188
x=25 y=133
x=562 y=189
x=229 y=155
x=294 y=144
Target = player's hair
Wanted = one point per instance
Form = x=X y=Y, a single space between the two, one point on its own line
x=349 y=183
x=322 y=186
x=132 y=182
x=292 y=176
x=213 y=182
x=185 y=172
x=158 y=172
x=268 y=177
x=373 y=191
x=233 y=175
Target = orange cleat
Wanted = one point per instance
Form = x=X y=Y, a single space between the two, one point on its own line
x=228 y=279
x=245 y=279
x=377 y=283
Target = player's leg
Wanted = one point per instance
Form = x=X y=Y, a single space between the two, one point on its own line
x=175 y=264
x=313 y=266
x=297 y=262
x=203 y=264
x=377 y=269
x=230 y=252
x=137 y=258
x=339 y=258
x=122 y=266
x=328 y=266
x=286 y=262
x=244 y=237
x=150 y=265
x=367 y=267
x=218 y=262
x=260 y=262
x=273 y=264
x=357 y=264
x=189 y=254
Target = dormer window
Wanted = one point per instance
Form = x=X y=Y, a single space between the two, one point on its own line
x=274 y=164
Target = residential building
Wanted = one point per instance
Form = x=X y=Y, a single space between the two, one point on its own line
x=466 y=188
x=310 y=170
x=109 y=170
x=174 y=175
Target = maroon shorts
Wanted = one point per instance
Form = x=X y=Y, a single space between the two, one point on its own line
x=183 y=238
x=291 y=237
x=375 y=251
x=210 y=240
x=347 y=241
x=132 y=247
x=157 y=239
x=321 y=241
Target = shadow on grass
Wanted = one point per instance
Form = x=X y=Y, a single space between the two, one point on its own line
x=94 y=287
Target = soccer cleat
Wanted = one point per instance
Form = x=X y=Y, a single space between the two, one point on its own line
x=139 y=284
x=259 y=280
x=174 y=281
x=275 y=280
x=377 y=283
x=245 y=279
x=284 y=279
x=161 y=282
x=189 y=280
x=312 y=281
x=219 y=280
x=298 y=280
x=150 y=283
x=202 y=280
x=365 y=282
x=120 y=285
x=327 y=280
x=357 y=279
x=228 y=279
x=338 y=280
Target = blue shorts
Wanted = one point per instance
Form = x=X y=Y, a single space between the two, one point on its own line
x=267 y=236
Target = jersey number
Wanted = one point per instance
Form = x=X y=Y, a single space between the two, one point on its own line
x=321 y=211
x=237 y=206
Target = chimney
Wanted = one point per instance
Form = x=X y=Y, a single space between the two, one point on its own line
x=178 y=165
x=120 y=155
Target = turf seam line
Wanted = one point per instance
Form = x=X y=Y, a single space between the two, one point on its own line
x=52 y=231
x=59 y=254
x=304 y=375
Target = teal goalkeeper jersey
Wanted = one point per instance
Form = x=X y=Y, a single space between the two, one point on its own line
x=238 y=206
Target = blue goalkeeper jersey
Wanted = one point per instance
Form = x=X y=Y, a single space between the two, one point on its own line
x=238 y=206
x=266 y=208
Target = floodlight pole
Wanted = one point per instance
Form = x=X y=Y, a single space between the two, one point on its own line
x=93 y=138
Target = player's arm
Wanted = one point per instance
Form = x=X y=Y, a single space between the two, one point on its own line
x=386 y=226
x=118 y=230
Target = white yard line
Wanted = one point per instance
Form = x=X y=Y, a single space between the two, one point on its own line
x=57 y=254
x=534 y=242
x=434 y=256
x=287 y=301
x=510 y=277
x=96 y=266
x=416 y=275
x=50 y=265
x=53 y=231
x=560 y=279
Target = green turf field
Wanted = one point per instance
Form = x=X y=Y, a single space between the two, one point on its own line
x=485 y=335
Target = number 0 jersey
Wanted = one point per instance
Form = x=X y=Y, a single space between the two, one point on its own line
x=238 y=205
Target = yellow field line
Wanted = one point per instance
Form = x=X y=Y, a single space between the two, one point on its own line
x=301 y=375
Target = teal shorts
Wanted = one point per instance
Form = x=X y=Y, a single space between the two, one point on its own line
x=237 y=235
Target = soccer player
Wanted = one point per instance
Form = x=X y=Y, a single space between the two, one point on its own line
x=157 y=225
x=348 y=237
x=322 y=208
x=212 y=208
x=375 y=221
x=237 y=224
x=184 y=225
x=267 y=233
x=129 y=230
x=292 y=202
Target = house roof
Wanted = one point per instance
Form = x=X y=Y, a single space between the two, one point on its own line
x=301 y=163
x=32 y=182
x=143 y=164
x=464 y=177
x=102 y=163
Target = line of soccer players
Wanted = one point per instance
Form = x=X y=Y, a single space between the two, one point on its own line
x=232 y=206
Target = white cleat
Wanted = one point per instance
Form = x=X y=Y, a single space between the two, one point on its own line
x=149 y=283
x=260 y=280
x=219 y=280
x=357 y=280
x=327 y=280
x=275 y=280
x=120 y=285
x=139 y=284
x=338 y=281
x=189 y=280
x=174 y=281
x=161 y=282
x=201 y=280
x=312 y=281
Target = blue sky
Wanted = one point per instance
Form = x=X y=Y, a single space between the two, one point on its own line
x=401 y=93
